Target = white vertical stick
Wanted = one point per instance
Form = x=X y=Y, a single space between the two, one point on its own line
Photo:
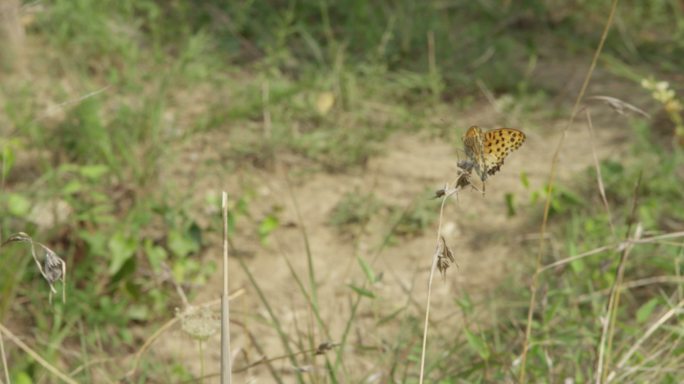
x=226 y=370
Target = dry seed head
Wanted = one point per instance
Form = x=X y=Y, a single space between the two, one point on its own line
x=53 y=268
x=199 y=322
x=325 y=347
x=18 y=237
x=444 y=256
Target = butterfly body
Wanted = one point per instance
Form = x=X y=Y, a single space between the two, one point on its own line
x=486 y=151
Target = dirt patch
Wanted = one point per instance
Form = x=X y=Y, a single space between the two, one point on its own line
x=485 y=239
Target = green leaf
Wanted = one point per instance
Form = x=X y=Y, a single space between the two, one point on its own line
x=195 y=233
x=138 y=312
x=367 y=270
x=524 y=179
x=181 y=244
x=242 y=206
x=155 y=254
x=71 y=187
x=18 y=205
x=578 y=264
x=93 y=172
x=7 y=161
x=22 y=378
x=362 y=291
x=466 y=304
x=646 y=310
x=478 y=344
x=96 y=241
x=231 y=222
x=121 y=249
x=179 y=270
x=510 y=204
x=269 y=224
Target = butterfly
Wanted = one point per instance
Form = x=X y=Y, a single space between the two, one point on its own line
x=486 y=151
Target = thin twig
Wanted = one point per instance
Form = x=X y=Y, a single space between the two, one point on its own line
x=62 y=105
x=44 y=363
x=678 y=280
x=435 y=257
x=226 y=365
x=547 y=205
x=618 y=247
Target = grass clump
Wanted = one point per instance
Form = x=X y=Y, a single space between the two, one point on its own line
x=355 y=209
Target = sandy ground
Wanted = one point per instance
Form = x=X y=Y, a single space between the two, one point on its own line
x=488 y=245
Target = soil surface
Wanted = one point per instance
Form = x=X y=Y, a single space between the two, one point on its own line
x=490 y=246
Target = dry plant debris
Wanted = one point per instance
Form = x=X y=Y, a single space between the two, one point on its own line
x=50 y=266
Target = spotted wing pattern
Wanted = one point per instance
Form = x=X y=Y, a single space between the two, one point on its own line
x=499 y=143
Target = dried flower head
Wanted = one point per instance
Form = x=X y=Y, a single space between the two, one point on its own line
x=325 y=347
x=199 y=322
x=50 y=266
x=462 y=180
x=444 y=256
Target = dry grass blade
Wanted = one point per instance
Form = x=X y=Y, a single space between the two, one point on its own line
x=3 y=358
x=675 y=280
x=605 y=345
x=44 y=363
x=322 y=348
x=654 y=327
x=50 y=111
x=549 y=194
x=599 y=177
x=576 y=257
x=619 y=247
x=488 y=95
x=620 y=106
x=275 y=320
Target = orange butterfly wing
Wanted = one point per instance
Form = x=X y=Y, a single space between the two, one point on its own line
x=499 y=143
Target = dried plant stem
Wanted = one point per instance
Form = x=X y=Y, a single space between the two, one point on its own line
x=547 y=205
x=659 y=280
x=50 y=111
x=435 y=257
x=659 y=239
x=35 y=356
x=632 y=350
x=3 y=357
x=605 y=345
x=275 y=321
x=201 y=354
x=599 y=177
x=149 y=341
x=226 y=368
